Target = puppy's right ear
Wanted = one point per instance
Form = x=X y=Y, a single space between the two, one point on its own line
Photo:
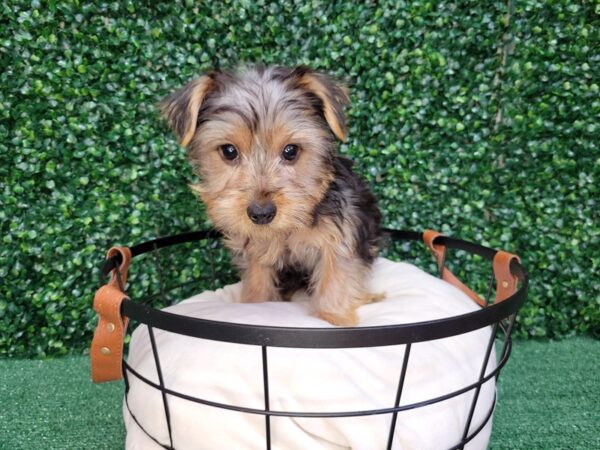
x=181 y=108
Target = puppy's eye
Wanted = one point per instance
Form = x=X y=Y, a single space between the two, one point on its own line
x=229 y=152
x=290 y=152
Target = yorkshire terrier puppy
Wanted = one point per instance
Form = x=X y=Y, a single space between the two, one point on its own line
x=294 y=215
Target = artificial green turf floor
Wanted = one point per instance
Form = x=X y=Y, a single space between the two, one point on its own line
x=549 y=398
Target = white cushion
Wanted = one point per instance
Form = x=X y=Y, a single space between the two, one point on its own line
x=313 y=380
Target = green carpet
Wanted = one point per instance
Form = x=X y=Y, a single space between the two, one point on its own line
x=549 y=398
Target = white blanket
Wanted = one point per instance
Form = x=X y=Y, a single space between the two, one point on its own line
x=313 y=380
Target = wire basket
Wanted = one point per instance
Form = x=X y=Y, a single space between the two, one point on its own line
x=115 y=309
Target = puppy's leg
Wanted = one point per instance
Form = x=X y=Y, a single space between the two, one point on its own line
x=372 y=298
x=258 y=284
x=339 y=287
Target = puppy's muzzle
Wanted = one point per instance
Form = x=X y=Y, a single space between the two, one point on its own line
x=262 y=214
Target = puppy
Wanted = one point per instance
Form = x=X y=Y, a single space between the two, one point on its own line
x=294 y=215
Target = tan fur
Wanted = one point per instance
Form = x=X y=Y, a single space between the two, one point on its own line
x=198 y=89
x=257 y=284
x=340 y=279
x=313 y=83
x=227 y=188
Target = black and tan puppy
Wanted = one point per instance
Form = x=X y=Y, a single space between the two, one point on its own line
x=293 y=213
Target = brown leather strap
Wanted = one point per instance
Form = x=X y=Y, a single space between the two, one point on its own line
x=451 y=278
x=439 y=251
x=106 y=352
x=121 y=271
x=506 y=282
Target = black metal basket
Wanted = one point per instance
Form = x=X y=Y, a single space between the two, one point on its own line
x=499 y=315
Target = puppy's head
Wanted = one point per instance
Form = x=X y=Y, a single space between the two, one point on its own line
x=262 y=141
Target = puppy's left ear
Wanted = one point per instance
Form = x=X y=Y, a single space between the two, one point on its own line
x=334 y=96
x=181 y=108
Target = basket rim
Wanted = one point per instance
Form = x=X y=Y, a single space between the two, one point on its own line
x=324 y=338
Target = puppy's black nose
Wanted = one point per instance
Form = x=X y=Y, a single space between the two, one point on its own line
x=261 y=214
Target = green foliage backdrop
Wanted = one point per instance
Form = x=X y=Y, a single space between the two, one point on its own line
x=479 y=119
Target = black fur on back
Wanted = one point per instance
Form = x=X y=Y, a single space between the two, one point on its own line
x=347 y=194
x=348 y=190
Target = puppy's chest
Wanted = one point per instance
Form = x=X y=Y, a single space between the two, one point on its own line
x=295 y=252
x=295 y=268
x=299 y=252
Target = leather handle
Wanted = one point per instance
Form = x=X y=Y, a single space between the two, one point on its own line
x=106 y=351
x=439 y=251
x=118 y=276
x=506 y=282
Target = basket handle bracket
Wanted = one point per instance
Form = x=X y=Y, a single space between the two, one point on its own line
x=506 y=281
x=106 y=352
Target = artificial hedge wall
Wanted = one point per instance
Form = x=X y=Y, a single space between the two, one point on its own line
x=479 y=119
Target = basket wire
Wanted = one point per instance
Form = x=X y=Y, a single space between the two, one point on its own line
x=140 y=312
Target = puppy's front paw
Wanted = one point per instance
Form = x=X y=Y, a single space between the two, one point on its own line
x=258 y=294
x=347 y=319
x=248 y=296
x=258 y=286
x=372 y=298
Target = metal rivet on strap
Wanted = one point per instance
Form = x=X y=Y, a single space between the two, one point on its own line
x=105 y=351
x=110 y=327
x=505 y=284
